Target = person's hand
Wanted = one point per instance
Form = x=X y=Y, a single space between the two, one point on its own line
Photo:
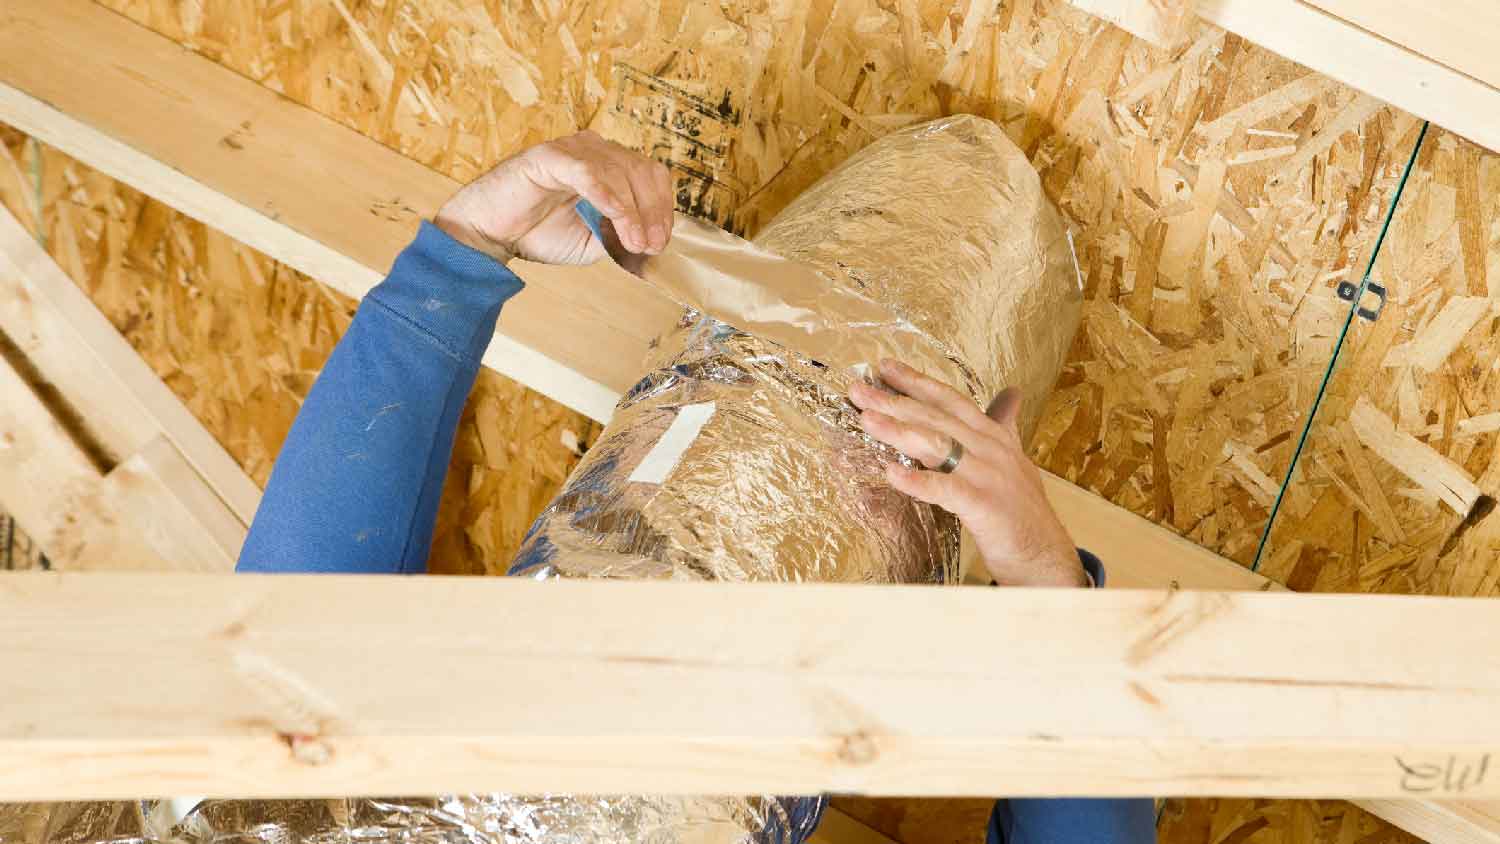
x=524 y=206
x=996 y=491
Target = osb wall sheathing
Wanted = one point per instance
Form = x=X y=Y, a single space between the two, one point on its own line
x=240 y=338
x=1218 y=192
x=1397 y=489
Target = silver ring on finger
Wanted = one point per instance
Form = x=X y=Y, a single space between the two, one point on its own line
x=955 y=454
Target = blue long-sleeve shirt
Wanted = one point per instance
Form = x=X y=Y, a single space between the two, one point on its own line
x=357 y=483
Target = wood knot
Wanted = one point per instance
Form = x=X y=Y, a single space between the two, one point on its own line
x=857 y=748
x=308 y=750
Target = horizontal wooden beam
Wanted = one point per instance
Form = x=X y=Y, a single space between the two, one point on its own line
x=336 y=685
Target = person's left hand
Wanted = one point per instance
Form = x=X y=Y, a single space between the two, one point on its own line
x=996 y=491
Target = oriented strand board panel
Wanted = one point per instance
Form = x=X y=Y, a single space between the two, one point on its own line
x=1460 y=34
x=1162 y=22
x=280 y=686
x=1397 y=489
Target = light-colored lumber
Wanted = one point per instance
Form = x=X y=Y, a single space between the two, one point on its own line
x=73 y=347
x=52 y=487
x=1459 y=34
x=1381 y=68
x=1139 y=554
x=1448 y=822
x=839 y=828
x=161 y=497
x=334 y=204
x=327 y=685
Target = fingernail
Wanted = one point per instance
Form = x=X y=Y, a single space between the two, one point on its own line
x=638 y=234
x=658 y=236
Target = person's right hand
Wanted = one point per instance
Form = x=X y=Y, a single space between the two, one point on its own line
x=996 y=491
x=524 y=206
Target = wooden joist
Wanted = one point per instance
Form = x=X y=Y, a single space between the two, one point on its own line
x=330 y=685
x=335 y=205
x=73 y=346
x=155 y=490
x=52 y=486
x=1458 y=34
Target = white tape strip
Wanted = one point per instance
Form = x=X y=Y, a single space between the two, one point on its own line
x=662 y=458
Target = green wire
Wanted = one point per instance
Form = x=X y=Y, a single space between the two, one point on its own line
x=1364 y=284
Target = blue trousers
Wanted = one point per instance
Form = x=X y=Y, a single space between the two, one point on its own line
x=357 y=484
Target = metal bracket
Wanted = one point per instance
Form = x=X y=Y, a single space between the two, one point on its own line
x=1352 y=293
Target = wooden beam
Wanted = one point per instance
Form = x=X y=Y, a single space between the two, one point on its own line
x=1458 y=34
x=52 y=486
x=839 y=828
x=335 y=205
x=329 y=685
x=1447 y=822
x=1140 y=554
x=1384 y=69
x=160 y=496
x=74 y=347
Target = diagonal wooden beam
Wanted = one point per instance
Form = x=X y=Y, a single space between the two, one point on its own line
x=52 y=486
x=76 y=349
x=327 y=685
x=295 y=185
x=167 y=495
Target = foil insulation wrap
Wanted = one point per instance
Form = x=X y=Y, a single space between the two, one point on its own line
x=738 y=458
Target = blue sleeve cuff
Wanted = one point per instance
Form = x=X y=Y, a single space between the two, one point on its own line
x=1094 y=567
x=448 y=291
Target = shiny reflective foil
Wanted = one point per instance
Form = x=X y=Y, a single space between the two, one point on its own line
x=738 y=458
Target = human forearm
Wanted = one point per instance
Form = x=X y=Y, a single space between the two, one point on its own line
x=357 y=482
